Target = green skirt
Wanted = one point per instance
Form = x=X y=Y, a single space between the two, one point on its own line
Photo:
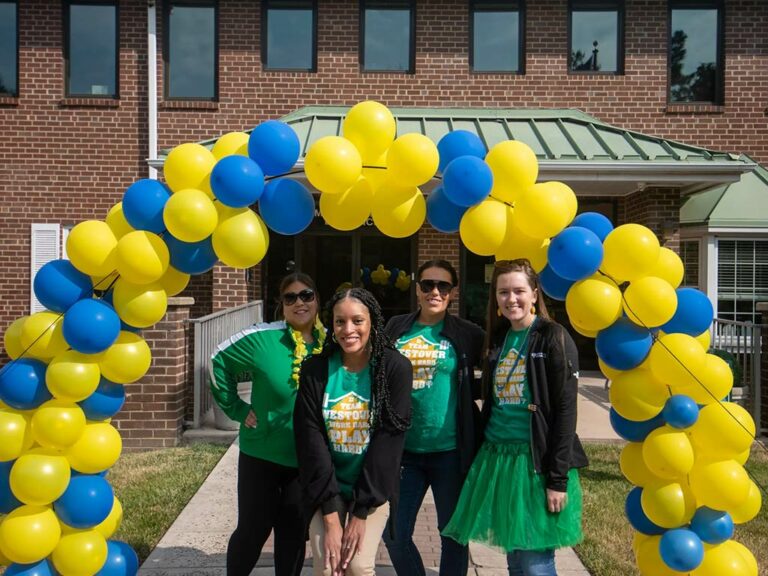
x=503 y=503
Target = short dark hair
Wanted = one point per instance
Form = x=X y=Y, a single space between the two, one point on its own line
x=438 y=263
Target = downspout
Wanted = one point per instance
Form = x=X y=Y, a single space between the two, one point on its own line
x=152 y=83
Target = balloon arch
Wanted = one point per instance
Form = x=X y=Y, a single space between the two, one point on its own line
x=70 y=364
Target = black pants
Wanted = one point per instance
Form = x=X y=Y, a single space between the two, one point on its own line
x=268 y=496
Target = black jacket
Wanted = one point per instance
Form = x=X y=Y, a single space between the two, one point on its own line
x=467 y=340
x=380 y=477
x=552 y=370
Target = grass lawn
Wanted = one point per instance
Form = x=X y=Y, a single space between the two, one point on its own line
x=607 y=546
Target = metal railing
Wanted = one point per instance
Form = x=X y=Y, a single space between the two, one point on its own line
x=210 y=331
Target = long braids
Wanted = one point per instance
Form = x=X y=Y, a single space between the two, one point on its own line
x=381 y=407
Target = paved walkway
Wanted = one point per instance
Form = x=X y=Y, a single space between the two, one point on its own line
x=195 y=545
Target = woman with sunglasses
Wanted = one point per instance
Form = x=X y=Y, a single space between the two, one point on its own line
x=351 y=414
x=268 y=491
x=522 y=493
x=441 y=444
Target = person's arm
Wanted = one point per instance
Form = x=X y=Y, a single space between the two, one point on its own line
x=477 y=341
x=233 y=357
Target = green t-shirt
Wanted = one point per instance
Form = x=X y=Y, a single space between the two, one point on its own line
x=510 y=418
x=434 y=396
x=347 y=421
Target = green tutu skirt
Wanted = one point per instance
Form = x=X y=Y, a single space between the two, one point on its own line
x=504 y=504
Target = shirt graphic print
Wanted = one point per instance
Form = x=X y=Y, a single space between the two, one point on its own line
x=424 y=356
x=346 y=419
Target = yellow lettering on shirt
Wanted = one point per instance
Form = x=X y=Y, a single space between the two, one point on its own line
x=424 y=356
x=347 y=423
x=510 y=386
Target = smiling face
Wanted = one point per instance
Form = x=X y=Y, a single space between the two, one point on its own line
x=351 y=326
x=515 y=297
x=434 y=291
x=298 y=313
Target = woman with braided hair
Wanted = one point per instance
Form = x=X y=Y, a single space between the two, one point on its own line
x=350 y=420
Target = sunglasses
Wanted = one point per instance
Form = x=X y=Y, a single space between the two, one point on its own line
x=306 y=295
x=442 y=286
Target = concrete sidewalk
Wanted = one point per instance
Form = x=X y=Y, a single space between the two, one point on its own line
x=196 y=543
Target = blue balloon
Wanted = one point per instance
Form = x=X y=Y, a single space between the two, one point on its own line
x=694 y=313
x=58 y=285
x=22 y=384
x=274 y=146
x=8 y=501
x=681 y=549
x=712 y=526
x=237 y=181
x=86 y=502
x=636 y=516
x=42 y=568
x=459 y=143
x=191 y=257
x=91 y=326
x=634 y=431
x=393 y=275
x=680 y=411
x=553 y=285
x=121 y=560
x=623 y=345
x=574 y=254
x=467 y=181
x=143 y=205
x=442 y=214
x=594 y=221
x=286 y=206
x=105 y=401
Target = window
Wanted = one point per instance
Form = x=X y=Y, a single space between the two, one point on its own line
x=689 y=254
x=9 y=49
x=91 y=48
x=496 y=36
x=387 y=35
x=289 y=35
x=695 y=52
x=596 y=36
x=191 y=49
x=742 y=278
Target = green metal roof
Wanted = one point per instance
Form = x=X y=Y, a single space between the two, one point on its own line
x=743 y=204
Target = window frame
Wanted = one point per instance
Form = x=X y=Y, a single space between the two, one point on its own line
x=18 y=88
x=167 y=6
x=66 y=6
x=266 y=5
x=409 y=5
x=498 y=6
x=718 y=5
x=735 y=239
x=591 y=6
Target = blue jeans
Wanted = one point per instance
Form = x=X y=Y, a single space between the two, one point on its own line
x=531 y=563
x=442 y=471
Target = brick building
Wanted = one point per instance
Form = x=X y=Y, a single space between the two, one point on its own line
x=90 y=90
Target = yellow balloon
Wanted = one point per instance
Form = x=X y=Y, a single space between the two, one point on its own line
x=190 y=215
x=650 y=301
x=633 y=466
x=80 y=553
x=92 y=248
x=412 y=160
x=669 y=505
x=746 y=555
x=593 y=303
x=350 y=209
x=127 y=360
x=514 y=167
x=73 y=376
x=637 y=539
x=12 y=338
x=668 y=453
x=750 y=508
x=333 y=164
x=3 y=560
x=722 y=485
x=376 y=172
x=241 y=239
x=29 y=533
x=173 y=281
x=722 y=560
x=189 y=165
x=371 y=127
x=723 y=430
x=544 y=210
x=518 y=245
x=111 y=523
x=15 y=434
x=484 y=226
x=97 y=449
x=39 y=476
x=715 y=381
x=668 y=267
x=630 y=251
x=230 y=144
x=608 y=372
x=57 y=424
x=584 y=331
x=42 y=336
x=705 y=339
x=142 y=257
x=649 y=560
x=139 y=305
x=116 y=221
x=636 y=395
x=673 y=357
x=102 y=283
x=399 y=213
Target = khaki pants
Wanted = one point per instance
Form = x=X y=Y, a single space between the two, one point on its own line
x=362 y=564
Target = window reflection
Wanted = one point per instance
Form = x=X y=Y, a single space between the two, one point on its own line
x=594 y=40
x=92 y=50
x=495 y=39
x=191 y=56
x=693 y=55
x=8 y=53
x=290 y=38
x=387 y=44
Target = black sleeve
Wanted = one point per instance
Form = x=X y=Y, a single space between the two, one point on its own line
x=380 y=475
x=316 y=472
x=476 y=358
x=563 y=382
